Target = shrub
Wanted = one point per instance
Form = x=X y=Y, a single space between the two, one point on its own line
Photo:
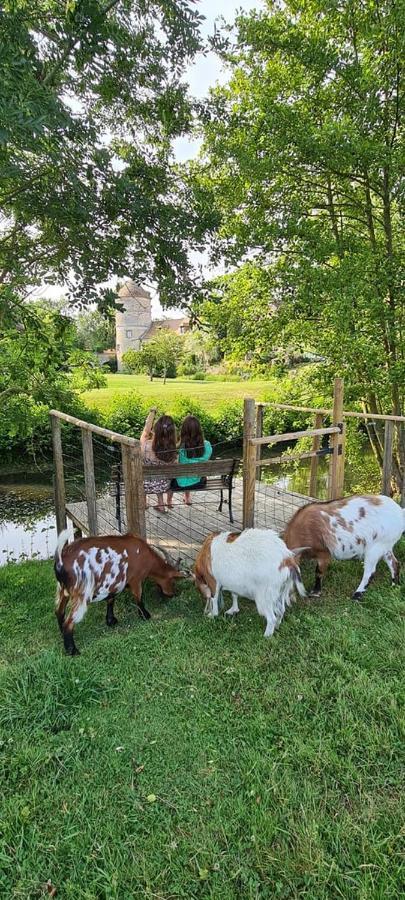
x=229 y=422
x=187 y=367
x=127 y=414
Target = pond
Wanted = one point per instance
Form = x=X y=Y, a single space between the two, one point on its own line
x=27 y=521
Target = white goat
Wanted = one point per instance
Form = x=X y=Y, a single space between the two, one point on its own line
x=255 y=564
x=363 y=527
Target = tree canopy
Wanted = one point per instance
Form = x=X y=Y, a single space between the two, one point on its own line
x=158 y=357
x=301 y=168
x=92 y=95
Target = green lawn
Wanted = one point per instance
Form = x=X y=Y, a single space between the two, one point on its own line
x=189 y=758
x=212 y=393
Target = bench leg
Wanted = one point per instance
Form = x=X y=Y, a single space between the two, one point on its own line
x=230 y=504
x=221 y=502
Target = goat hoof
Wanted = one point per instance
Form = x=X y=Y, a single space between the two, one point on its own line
x=73 y=651
x=314 y=594
x=144 y=614
x=357 y=595
x=111 y=622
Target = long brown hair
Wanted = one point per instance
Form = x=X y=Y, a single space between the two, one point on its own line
x=192 y=437
x=164 y=442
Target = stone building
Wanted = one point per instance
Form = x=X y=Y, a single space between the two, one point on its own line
x=134 y=325
x=134 y=320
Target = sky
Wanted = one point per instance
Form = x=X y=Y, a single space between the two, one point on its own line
x=205 y=72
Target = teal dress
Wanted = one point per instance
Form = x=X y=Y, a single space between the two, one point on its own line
x=183 y=458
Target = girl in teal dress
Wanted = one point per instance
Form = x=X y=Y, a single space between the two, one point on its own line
x=193 y=449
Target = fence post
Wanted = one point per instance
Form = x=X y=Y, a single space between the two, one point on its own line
x=337 y=463
x=89 y=480
x=387 y=460
x=316 y=443
x=134 y=491
x=59 y=477
x=249 y=463
x=259 y=433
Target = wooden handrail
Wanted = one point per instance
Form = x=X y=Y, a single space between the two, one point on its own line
x=286 y=458
x=294 y=435
x=328 y=412
x=87 y=426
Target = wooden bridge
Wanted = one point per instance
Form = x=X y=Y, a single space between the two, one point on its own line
x=181 y=530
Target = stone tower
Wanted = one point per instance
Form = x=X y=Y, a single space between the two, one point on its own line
x=134 y=321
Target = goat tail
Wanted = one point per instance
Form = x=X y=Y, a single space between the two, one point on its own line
x=298 y=582
x=62 y=540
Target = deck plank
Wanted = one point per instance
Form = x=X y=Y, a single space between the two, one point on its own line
x=181 y=531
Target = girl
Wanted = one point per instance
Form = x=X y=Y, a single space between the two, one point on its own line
x=193 y=449
x=159 y=447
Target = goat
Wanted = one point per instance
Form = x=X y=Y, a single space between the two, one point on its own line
x=364 y=527
x=255 y=564
x=99 y=568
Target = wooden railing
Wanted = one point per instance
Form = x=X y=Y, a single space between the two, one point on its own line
x=131 y=462
x=127 y=475
x=338 y=415
x=254 y=440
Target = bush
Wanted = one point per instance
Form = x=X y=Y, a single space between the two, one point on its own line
x=187 y=367
x=127 y=414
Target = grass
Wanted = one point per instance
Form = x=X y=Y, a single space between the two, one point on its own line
x=186 y=758
x=213 y=393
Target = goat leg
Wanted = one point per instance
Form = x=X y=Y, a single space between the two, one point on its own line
x=68 y=640
x=110 y=617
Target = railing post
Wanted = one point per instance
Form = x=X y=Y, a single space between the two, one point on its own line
x=59 y=477
x=259 y=433
x=337 y=463
x=249 y=463
x=134 y=490
x=387 y=459
x=316 y=443
x=89 y=480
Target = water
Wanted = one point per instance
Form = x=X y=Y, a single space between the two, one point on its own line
x=27 y=521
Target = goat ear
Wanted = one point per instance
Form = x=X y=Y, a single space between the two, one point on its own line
x=298 y=550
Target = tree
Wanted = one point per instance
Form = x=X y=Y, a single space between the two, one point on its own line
x=143 y=360
x=86 y=372
x=95 y=331
x=302 y=163
x=158 y=357
x=91 y=97
x=33 y=378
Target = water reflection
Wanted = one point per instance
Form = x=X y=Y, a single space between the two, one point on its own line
x=27 y=523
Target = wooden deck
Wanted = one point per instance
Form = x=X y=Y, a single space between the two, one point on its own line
x=181 y=531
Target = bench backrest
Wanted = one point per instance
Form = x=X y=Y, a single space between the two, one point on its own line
x=218 y=467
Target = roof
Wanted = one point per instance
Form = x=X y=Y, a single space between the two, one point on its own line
x=167 y=325
x=132 y=289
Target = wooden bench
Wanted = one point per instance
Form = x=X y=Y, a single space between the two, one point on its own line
x=218 y=475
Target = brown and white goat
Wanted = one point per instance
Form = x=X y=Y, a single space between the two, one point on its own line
x=255 y=564
x=363 y=527
x=99 y=568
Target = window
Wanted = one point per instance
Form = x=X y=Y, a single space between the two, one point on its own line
x=129 y=332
